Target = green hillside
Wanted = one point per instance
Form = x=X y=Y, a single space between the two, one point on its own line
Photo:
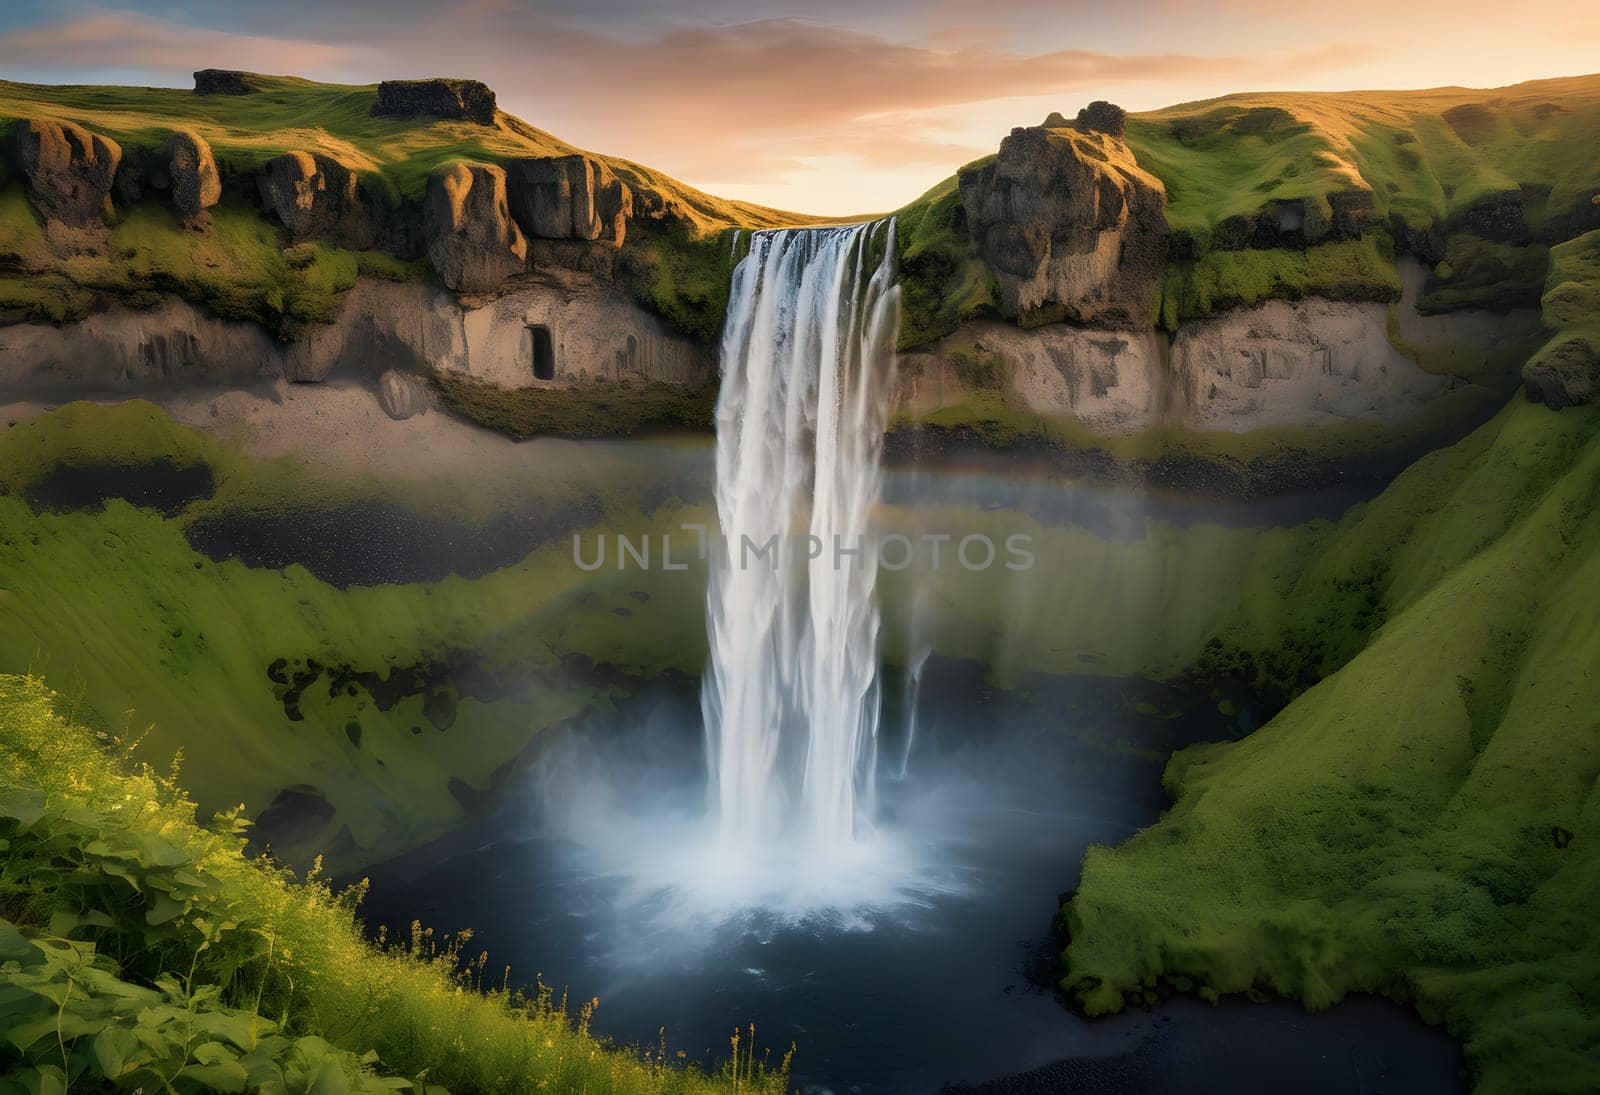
x=1423 y=823
x=286 y=113
x=246 y=269
x=1477 y=183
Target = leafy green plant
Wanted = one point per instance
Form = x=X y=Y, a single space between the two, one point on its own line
x=142 y=951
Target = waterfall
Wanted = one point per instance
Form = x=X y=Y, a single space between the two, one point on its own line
x=791 y=696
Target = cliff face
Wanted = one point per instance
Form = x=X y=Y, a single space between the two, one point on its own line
x=595 y=333
x=1071 y=225
x=472 y=241
x=1311 y=363
x=316 y=197
x=69 y=172
x=192 y=178
x=570 y=198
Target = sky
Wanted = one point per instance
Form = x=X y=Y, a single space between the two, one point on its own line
x=834 y=107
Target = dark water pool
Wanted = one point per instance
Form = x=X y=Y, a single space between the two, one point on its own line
x=163 y=485
x=942 y=985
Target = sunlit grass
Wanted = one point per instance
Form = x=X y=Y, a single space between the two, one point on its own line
x=141 y=947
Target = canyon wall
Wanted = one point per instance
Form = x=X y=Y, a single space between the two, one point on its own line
x=1303 y=363
x=591 y=332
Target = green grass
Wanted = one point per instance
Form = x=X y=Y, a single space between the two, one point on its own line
x=1571 y=303
x=610 y=409
x=1229 y=159
x=239 y=270
x=1476 y=273
x=943 y=281
x=140 y=950
x=1421 y=823
x=1426 y=159
x=288 y=113
x=1426 y=156
x=1360 y=269
x=683 y=277
x=242 y=271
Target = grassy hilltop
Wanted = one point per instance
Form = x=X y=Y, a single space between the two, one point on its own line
x=1261 y=188
x=1424 y=822
x=244 y=268
x=284 y=113
x=1478 y=183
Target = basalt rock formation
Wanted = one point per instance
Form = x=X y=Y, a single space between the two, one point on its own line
x=468 y=100
x=473 y=242
x=316 y=196
x=70 y=172
x=222 y=81
x=570 y=198
x=192 y=175
x=1072 y=226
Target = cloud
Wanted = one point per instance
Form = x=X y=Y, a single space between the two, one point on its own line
x=740 y=102
x=124 y=40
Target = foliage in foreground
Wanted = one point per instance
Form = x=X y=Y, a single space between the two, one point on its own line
x=141 y=951
x=1424 y=823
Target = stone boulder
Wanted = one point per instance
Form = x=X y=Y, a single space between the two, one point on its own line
x=1103 y=117
x=467 y=100
x=472 y=240
x=1564 y=374
x=401 y=395
x=570 y=198
x=1098 y=117
x=70 y=172
x=1072 y=226
x=222 y=81
x=192 y=176
x=317 y=197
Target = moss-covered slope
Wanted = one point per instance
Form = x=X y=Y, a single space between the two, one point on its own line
x=312 y=663
x=1424 y=822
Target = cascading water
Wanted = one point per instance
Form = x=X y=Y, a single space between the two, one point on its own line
x=791 y=697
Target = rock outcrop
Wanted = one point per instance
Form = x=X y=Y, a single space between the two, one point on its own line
x=468 y=100
x=570 y=198
x=316 y=196
x=1073 y=228
x=1103 y=117
x=192 y=175
x=1564 y=374
x=1305 y=363
x=222 y=81
x=70 y=172
x=472 y=241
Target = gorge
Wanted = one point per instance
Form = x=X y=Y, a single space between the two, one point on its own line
x=1287 y=394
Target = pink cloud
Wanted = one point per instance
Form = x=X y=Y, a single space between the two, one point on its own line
x=122 y=40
